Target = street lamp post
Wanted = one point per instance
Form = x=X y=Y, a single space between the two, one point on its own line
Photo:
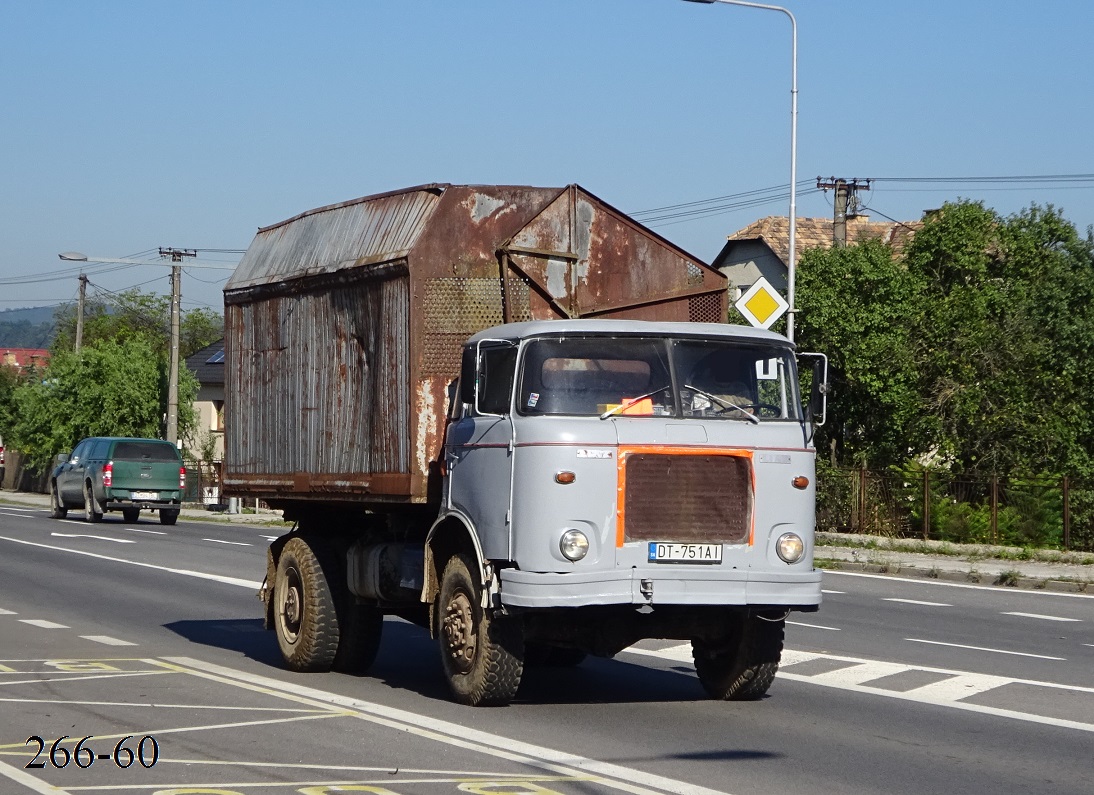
x=792 y=254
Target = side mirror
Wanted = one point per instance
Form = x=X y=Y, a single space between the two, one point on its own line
x=818 y=388
x=60 y=458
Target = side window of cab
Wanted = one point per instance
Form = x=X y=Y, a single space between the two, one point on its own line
x=496 y=368
x=79 y=453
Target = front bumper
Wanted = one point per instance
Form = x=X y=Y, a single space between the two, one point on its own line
x=663 y=586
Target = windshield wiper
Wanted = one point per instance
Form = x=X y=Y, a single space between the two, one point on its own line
x=631 y=401
x=725 y=403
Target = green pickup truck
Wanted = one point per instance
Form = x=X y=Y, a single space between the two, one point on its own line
x=118 y=474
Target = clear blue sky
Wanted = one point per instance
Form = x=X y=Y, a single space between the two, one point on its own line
x=132 y=125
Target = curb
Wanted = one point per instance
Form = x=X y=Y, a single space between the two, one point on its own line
x=970 y=576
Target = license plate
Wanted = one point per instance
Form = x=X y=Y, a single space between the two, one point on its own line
x=684 y=553
x=143 y=495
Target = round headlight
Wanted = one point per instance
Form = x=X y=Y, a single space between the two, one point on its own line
x=574 y=545
x=790 y=547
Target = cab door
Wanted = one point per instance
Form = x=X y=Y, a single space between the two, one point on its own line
x=70 y=479
x=480 y=445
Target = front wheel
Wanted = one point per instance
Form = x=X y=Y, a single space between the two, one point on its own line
x=57 y=509
x=482 y=652
x=305 y=620
x=92 y=511
x=743 y=668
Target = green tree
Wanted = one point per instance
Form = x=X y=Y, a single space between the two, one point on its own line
x=111 y=388
x=860 y=306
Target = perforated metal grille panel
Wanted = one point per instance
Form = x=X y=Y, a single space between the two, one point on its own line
x=688 y=498
x=707 y=308
x=456 y=308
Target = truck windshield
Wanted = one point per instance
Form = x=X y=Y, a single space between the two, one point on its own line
x=658 y=377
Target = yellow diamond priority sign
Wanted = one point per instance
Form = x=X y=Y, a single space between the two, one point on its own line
x=761 y=304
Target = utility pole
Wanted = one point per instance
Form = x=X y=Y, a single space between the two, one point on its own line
x=846 y=196
x=176 y=255
x=80 y=312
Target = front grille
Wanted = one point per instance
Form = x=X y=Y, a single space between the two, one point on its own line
x=687 y=498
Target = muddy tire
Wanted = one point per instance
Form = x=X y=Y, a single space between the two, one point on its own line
x=361 y=628
x=57 y=510
x=168 y=516
x=482 y=653
x=92 y=512
x=131 y=515
x=305 y=620
x=744 y=668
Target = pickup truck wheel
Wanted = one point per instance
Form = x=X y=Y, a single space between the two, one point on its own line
x=744 y=669
x=131 y=515
x=482 y=653
x=361 y=627
x=305 y=620
x=57 y=509
x=92 y=512
x=168 y=516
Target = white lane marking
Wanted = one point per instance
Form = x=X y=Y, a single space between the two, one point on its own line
x=41 y=622
x=151 y=532
x=201 y=575
x=968 y=683
x=941 y=584
x=825 y=590
x=860 y=674
x=270 y=538
x=605 y=773
x=233 y=543
x=984 y=648
x=918 y=602
x=958 y=687
x=100 y=538
x=813 y=626
x=106 y=639
x=29 y=781
x=1043 y=618
x=4 y=612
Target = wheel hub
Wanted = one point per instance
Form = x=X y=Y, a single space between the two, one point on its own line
x=292 y=607
x=458 y=627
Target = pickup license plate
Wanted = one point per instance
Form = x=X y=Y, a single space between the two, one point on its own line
x=143 y=495
x=661 y=552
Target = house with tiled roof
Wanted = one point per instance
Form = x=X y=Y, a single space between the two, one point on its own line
x=763 y=248
x=24 y=358
x=207 y=365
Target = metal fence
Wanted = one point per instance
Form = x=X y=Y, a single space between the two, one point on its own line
x=1023 y=512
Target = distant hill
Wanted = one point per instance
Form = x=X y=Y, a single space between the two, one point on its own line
x=31 y=327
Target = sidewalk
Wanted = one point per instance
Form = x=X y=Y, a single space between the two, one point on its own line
x=1050 y=570
x=189 y=510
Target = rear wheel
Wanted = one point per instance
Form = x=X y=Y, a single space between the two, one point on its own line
x=744 y=667
x=92 y=511
x=482 y=652
x=305 y=620
x=360 y=629
x=167 y=516
x=57 y=509
x=131 y=514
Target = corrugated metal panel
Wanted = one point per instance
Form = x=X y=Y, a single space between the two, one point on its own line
x=318 y=394
x=330 y=239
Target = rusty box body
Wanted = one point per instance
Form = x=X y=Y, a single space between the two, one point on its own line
x=344 y=324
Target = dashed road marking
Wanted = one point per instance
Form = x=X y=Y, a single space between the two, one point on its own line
x=41 y=622
x=4 y=612
x=98 y=538
x=106 y=639
x=985 y=648
x=233 y=543
x=918 y=602
x=1042 y=617
x=150 y=532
